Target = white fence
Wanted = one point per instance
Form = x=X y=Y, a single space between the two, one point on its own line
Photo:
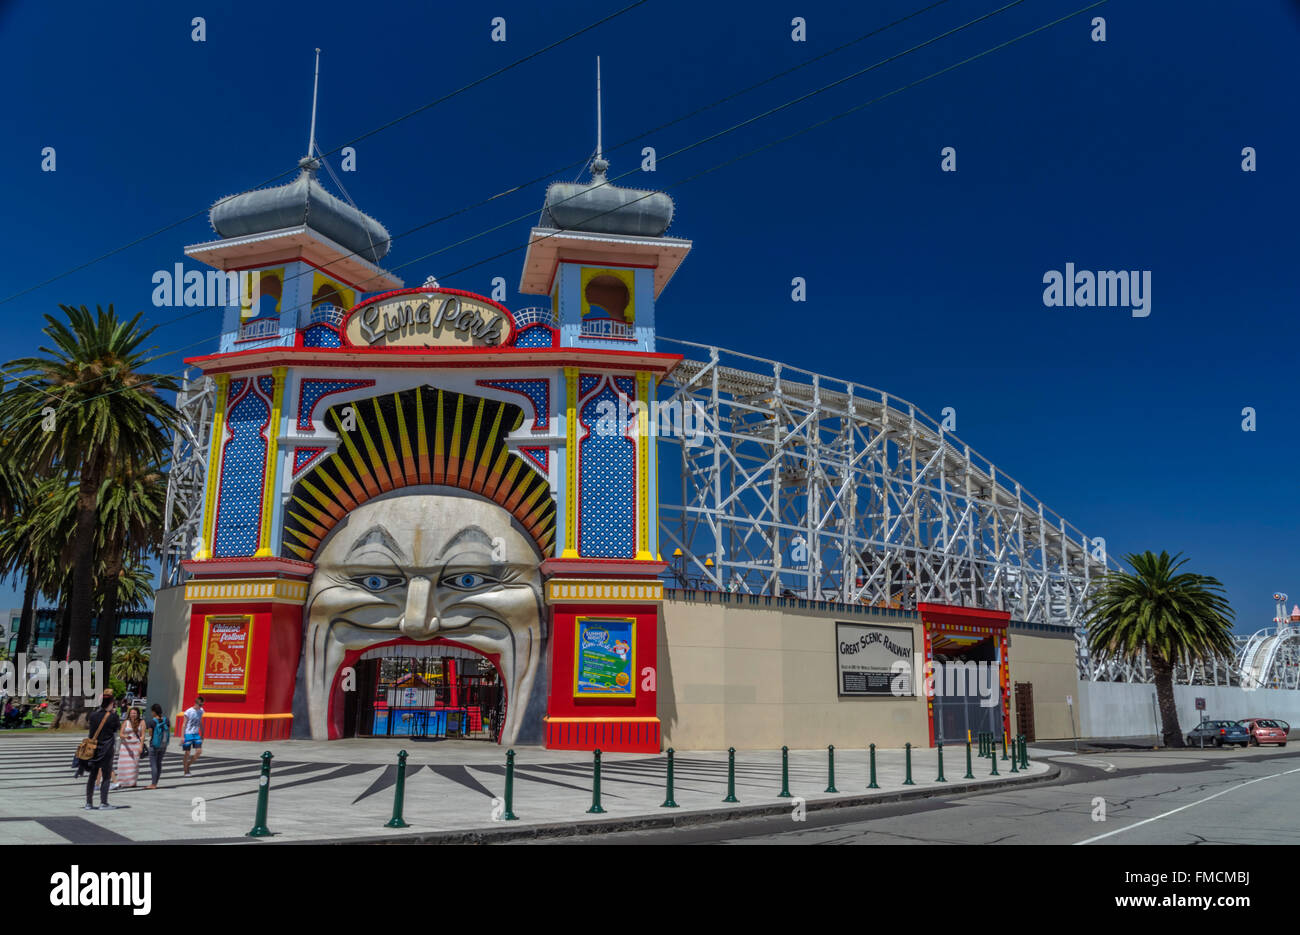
x=1128 y=709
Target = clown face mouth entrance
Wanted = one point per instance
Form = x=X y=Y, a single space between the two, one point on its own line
x=426 y=691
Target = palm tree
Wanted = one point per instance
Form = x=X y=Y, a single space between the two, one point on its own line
x=85 y=408
x=35 y=545
x=131 y=661
x=129 y=530
x=1167 y=616
x=13 y=482
x=16 y=560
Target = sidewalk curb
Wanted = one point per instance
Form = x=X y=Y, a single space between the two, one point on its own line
x=503 y=835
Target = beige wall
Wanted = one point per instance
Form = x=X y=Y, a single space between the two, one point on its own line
x=171 y=627
x=1048 y=663
x=758 y=677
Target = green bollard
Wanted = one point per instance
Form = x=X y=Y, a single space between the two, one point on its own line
x=981 y=740
x=785 y=774
x=1004 y=746
x=731 y=775
x=1015 y=757
x=260 y=830
x=668 y=802
x=941 y=779
x=595 y=786
x=969 y=774
x=510 y=788
x=1024 y=752
x=830 y=784
x=908 y=780
x=872 y=784
x=993 y=761
x=399 y=794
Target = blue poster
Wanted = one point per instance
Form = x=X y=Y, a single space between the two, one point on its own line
x=605 y=662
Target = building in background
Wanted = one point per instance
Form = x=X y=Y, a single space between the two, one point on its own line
x=138 y=624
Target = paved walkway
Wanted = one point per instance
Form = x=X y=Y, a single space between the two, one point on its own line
x=343 y=790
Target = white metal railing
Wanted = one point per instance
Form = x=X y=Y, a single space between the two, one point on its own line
x=534 y=315
x=606 y=328
x=261 y=328
x=326 y=314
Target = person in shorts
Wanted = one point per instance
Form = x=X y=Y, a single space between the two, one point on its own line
x=192 y=735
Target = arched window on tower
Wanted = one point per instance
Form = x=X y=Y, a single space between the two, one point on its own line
x=262 y=320
x=605 y=308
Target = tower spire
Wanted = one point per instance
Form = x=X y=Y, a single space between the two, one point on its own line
x=315 y=85
x=599 y=165
x=599 y=154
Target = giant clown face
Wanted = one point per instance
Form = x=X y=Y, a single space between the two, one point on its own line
x=425 y=564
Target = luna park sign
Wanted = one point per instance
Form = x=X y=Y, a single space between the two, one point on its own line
x=428 y=319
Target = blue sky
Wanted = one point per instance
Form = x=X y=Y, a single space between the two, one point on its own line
x=1123 y=154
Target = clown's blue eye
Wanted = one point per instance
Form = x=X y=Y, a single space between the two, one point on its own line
x=466 y=581
x=376 y=582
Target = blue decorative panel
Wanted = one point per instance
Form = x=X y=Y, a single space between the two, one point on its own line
x=313 y=391
x=305 y=456
x=538 y=456
x=606 y=478
x=538 y=392
x=321 y=336
x=535 y=336
x=243 y=465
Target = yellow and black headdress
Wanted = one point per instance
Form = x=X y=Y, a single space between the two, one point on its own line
x=418 y=436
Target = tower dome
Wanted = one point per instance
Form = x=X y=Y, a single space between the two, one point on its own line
x=601 y=207
x=301 y=202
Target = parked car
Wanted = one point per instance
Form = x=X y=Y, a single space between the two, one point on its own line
x=1218 y=733
x=1267 y=730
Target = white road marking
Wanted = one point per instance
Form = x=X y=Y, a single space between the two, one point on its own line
x=1147 y=821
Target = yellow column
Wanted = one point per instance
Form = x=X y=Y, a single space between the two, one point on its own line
x=272 y=464
x=213 y=481
x=643 y=468
x=571 y=463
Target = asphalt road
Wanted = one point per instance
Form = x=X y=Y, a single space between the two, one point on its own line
x=1228 y=796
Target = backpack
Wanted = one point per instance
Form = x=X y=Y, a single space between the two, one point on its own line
x=162 y=733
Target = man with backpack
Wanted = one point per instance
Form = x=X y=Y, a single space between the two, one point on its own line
x=160 y=736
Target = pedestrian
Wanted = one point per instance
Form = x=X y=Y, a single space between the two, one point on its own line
x=192 y=739
x=79 y=765
x=104 y=726
x=127 y=771
x=160 y=734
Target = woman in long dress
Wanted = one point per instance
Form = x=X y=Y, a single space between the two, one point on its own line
x=128 y=754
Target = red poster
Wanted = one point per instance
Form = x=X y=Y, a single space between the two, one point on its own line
x=223 y=667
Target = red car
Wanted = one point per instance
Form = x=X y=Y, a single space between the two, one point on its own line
x=1266 y=730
